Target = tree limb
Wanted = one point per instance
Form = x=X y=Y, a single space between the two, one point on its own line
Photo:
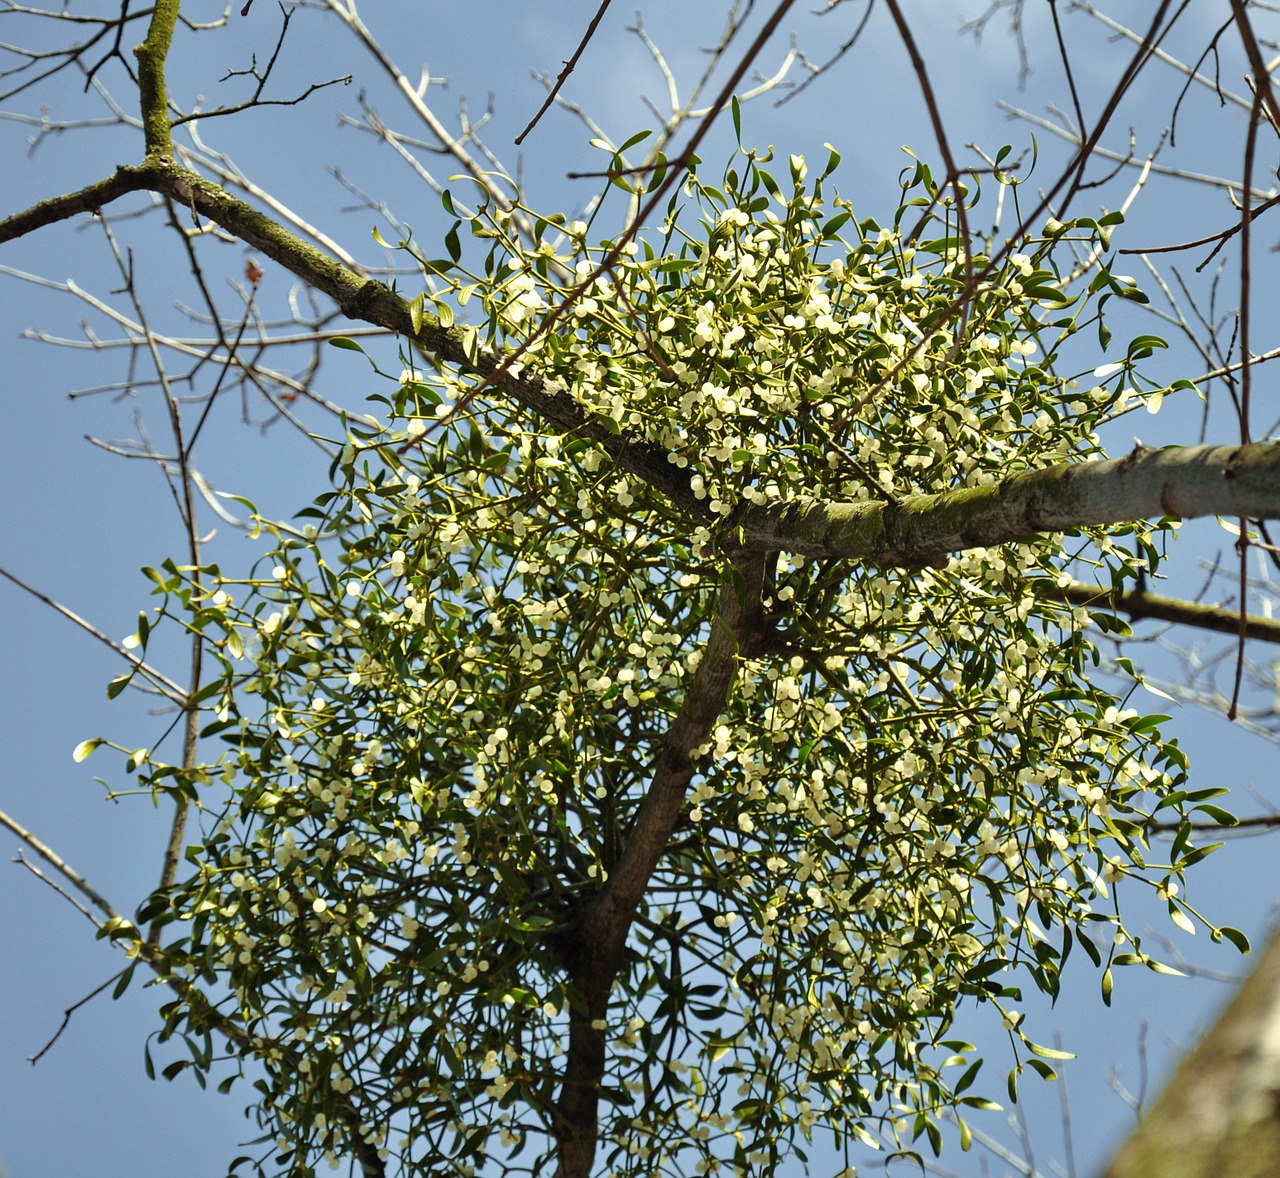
x=1180 y=481
x=86 y=200
x=367 y=300
x=1139 y=604
x=1184 y=482
x=593 y=948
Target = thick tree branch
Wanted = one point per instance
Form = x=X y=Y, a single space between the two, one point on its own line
x=593 y=948
x=1182 y=482
x=152 y=95
x=86 y=200
x=1185 y=482
x=368 y=301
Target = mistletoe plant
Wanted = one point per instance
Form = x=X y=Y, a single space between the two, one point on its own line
x=565 y=827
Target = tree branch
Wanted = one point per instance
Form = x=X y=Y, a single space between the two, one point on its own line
x=86 y=200
x=1183 y=482
x=1139 y=604
x=162 y=682
x=369 y=301
x=152 y=95
x=63 y=868
x=593 y=948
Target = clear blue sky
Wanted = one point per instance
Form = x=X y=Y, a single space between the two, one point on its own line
x=81 y=521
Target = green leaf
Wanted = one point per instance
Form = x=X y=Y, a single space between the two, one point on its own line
x=1044 y=1070
x=125 y=978
x=638 y=137
x=415 y=308
x=1199 y=853
x=521 y=996
x=833 y=226
x=1144 y=724
x=437 y=267
x=935 y=1137
x=1218 y=814
x=981 y=1102
x=165 y=583
x=1235 y=936
x=348 y=345
x=1045 y=1052
x=1203 y=795
x=985 y=969
x=717 y=1048
x=970 y=1074
x=1181 y=919
x=118 y=684
x=1142 y=346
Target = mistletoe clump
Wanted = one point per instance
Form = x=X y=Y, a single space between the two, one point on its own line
x=451 y=688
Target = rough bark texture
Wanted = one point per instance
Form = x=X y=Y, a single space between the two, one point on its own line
x=1220 y=1114
x=1180 y=481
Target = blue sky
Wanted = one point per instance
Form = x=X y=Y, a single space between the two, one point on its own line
x=81 y=521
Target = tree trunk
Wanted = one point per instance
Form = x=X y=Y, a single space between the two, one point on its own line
x=1220 y=1113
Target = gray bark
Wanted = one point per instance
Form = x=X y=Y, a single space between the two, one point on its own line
x=1180 y=481
x=1220 y=1113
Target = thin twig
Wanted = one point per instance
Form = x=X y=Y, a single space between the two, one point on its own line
x=23 y=861
x=568 y=69
x=162 y=681
x=61 y=866
x=68 y=1012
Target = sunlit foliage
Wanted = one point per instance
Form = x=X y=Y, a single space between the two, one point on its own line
x=445 y=686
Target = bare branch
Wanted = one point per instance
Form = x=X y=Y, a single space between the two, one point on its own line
x=63 y=868
x=66 y=1017
x=1139 y=604
x=568 y=69
x=162 y=681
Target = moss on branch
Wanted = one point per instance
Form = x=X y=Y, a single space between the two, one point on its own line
x=152 y=56
x=1180 y=482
